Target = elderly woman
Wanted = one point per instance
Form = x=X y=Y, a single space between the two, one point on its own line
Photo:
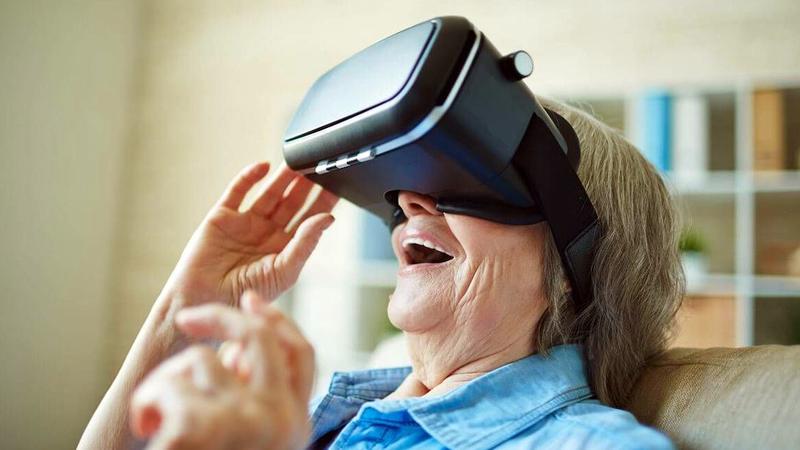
x=499 y=357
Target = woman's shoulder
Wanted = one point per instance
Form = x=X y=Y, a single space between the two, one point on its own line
x=603 y=426
x=590 y=425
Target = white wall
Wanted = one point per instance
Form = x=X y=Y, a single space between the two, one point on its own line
x=65 y=87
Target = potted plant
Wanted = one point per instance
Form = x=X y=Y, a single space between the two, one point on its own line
x=693 y=256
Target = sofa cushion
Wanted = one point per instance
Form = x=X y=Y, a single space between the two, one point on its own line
x=723 y=398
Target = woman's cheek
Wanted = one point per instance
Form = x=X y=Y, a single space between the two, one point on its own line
x=481 y=303
x=417 y=306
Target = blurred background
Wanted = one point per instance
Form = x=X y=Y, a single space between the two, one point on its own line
x=122 y=121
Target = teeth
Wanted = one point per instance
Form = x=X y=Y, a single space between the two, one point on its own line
x=413 y=240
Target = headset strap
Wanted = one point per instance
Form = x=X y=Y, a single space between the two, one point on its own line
x=545 y=167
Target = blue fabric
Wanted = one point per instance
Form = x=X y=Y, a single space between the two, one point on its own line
x=536 y=402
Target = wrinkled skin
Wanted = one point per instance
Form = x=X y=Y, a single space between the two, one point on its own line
x=463 y=317
x=471 y=314
x=253 y=397
x=233 y=251
x=255 y=394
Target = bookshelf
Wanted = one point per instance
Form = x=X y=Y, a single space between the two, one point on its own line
x=749 y=219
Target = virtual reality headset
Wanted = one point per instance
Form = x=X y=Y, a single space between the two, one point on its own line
x=435 y=109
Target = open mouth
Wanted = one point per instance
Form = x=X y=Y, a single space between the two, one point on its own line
x=419 y=251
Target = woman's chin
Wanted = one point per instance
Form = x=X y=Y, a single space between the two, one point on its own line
x=413 y=311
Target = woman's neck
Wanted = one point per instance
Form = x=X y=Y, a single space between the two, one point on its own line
x=439 y=370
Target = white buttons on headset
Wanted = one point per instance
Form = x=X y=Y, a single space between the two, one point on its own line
x=322 y=167
x=366 y=155
x=343 y=161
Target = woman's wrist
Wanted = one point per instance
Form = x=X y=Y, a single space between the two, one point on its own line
x=157 y=340
x=160 y=323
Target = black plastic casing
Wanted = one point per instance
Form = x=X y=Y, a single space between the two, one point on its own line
x=449 y=129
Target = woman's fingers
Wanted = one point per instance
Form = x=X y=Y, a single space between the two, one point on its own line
x=285 y=196
x=262 y=361
x=182 y=410
x=299 y=352
x=292 y=202
x=153 y=406
x=192 y=399
x=241 y=185
x=266 y=360
x=214 y=321
x=292 y=258
x=323 y=203
x=229 y=353
x=300 y=356
x=306 y=364
x=273 y=192
x=194 y=369
x=208 y=373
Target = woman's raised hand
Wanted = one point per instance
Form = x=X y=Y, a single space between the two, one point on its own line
x=258 y=399
x=261 y=249
x=233 y=251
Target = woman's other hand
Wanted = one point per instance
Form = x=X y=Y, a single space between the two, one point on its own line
x=193 y=400
x=233 y=251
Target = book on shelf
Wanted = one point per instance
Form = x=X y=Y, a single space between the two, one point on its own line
x=654 y=128
x=690 y=138
x=777 y=321
x=769 y=141
x=779 y=257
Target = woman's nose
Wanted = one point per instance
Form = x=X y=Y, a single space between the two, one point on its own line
x=414 y=204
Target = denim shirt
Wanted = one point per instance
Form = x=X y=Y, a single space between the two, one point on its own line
x=536 y=402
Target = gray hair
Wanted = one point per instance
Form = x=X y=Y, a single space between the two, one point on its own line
x=638 y=281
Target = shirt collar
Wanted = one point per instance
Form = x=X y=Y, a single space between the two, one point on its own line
x=486 y=411
x=348 y=391
x=496 y=406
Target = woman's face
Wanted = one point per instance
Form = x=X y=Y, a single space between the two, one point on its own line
x=459 y=274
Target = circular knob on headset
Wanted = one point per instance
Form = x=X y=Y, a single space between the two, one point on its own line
x=517 y=65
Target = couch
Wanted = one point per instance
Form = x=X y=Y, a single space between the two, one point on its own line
x=723 y=398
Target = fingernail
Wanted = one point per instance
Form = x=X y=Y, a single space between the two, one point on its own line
x=331 y=219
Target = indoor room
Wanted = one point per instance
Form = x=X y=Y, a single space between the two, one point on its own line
x=139 y=136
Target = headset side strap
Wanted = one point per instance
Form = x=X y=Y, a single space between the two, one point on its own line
x=562 y=198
